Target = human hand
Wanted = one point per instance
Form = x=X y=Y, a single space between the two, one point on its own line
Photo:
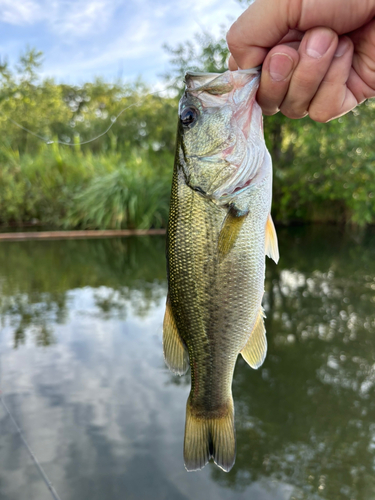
x=318 y=56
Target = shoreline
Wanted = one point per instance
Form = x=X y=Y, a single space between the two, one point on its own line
x=81 y=234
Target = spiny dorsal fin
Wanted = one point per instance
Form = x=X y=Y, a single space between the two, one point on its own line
x=231 y=227
x=272 y=247
x=255 y=350
x=175 y=353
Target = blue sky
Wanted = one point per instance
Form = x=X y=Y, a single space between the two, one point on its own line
x=82 y=39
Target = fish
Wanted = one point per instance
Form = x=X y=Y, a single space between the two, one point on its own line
x=219 y=231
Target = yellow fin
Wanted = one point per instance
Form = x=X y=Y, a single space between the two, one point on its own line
x=210 y=437
x=175 y=353
x=231 y=227
x=255 y=350
x=272 y=247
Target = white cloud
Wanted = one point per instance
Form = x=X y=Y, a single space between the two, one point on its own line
x=20 y=12
x=80 y=18
x=63 y=17
x=83 y=38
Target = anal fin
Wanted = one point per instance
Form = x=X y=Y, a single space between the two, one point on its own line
x=175 y=353
x=255 y=350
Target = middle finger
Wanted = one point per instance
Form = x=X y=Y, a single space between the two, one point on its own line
x=315 y=55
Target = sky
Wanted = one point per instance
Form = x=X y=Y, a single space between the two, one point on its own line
x=82 y=39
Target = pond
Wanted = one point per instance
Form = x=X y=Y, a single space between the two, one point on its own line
x=83 y=375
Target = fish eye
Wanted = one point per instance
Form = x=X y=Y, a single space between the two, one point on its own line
x=189 y=115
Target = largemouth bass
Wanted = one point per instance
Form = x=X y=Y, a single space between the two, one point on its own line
x=219 y=231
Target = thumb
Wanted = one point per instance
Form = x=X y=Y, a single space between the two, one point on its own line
x=259 y=28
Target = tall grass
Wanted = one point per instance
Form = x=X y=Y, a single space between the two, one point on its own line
x=121 y=199
x=63 y=187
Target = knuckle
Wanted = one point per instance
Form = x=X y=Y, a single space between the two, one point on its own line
x=320 y=116
x=304 y=82
x=325 y=106
x=320 y=119
x=294 y=116
x=232 y=37
x=270 y=112
x=293 y=113
x=269 y=106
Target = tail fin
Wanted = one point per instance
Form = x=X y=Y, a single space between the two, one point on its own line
x=209 y=437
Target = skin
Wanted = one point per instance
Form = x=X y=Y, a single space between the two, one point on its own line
x=317 y=56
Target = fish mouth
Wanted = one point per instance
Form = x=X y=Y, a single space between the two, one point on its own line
x=203 y=78
x=202 y=74
x=197 y=74
x=217 y=83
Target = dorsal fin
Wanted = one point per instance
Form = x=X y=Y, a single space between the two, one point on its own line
x=255 y=350
x=271 y=245
x=175 y=353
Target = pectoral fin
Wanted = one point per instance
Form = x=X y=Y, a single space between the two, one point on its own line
x=255 y=350
x=231 y=227
x=272 y=247
x=175 y=353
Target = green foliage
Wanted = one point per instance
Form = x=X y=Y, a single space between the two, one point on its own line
x=205 y=53
x=125 y=197
x=325 y=172
x=62 y=188
x=66 y=112
x=322 y=172
x=121 y=179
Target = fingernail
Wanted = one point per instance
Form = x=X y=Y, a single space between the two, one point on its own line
x=318 y=43
x=281 y=65
x=342 y=48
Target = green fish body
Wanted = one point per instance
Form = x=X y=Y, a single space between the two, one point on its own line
x=218 y=233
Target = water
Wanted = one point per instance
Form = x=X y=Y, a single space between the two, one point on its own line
x=82 y=371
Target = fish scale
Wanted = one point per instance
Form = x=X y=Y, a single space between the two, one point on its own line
x=216 y=261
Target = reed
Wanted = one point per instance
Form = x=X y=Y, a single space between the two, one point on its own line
x=64 y=188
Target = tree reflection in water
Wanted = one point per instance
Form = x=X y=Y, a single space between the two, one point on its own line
x=37 y=279
x=307 y=417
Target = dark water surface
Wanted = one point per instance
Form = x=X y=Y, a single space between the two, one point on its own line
x=82 y=372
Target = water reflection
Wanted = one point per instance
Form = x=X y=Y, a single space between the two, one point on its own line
x=305 y=421
x=36 y=278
